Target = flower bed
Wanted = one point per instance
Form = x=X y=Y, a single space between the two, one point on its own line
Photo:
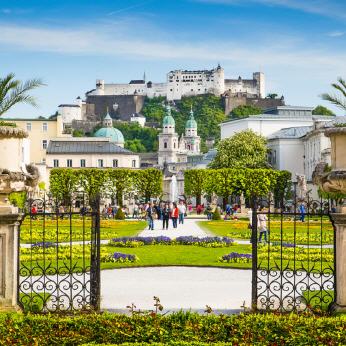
x=176 y=328
x=119 y=257
x=183 y=240
x=235 y=257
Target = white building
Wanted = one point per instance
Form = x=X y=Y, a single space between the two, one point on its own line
x=70 y=112
x=282 y=117
x=186 y=83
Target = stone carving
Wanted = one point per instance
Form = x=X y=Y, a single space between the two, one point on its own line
x=334 y=181
x=301 y=180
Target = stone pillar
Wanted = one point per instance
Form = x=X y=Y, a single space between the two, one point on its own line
x=9 y=225
x=339 y=220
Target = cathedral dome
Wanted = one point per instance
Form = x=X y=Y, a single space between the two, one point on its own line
x=168 y=120
x=110 y=132
x=191 y=123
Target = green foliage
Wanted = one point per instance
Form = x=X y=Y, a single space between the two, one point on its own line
x=226 y=182
x=339 y=101
x=78 y=133
x=18 y=199
x=216 y=215
x=135 y=145
x=148 y=183
x=179 y=328
x=245 y=149
x=244 y=111
x=195 y=183
x=42 y=185
x=321 y=110
x=153 y=109
x=66 y=181
x=120 y=215
x=7 y=123
x=272 y=96
x=137 y=138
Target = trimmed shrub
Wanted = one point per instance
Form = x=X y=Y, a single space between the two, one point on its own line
x=106 y=328
x=120 y=215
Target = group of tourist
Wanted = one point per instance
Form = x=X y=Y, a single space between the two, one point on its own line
x=165 y=212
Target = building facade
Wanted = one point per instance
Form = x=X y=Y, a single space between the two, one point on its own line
x=181 y=83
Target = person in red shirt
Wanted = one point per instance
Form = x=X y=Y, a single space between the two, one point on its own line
x=33 y=212
x=175 y=215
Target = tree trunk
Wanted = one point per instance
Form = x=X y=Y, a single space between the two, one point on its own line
x=198 y=199
x=224 y=202
x=119 y=197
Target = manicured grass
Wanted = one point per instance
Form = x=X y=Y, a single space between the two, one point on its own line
x=77 y=229
x=71 y=259
x=308 y=232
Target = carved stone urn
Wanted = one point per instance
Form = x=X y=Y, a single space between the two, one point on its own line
x=12 y=177
x=335 y=182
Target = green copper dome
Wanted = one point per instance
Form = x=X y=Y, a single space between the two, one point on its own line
x=110 y=132
x=191 y=123
x=168 y=120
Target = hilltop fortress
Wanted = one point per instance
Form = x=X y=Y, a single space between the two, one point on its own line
x=186 y=83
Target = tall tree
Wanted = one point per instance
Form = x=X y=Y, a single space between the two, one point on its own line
x=195 y=183
x=13 y=91
x=339 y=101
x=321 y=110
x=148 y=183
x=245 y=149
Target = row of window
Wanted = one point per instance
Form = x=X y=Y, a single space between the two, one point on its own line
x=44 y=127
x=100 y=163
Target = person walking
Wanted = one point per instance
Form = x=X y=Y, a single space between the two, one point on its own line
x=262 y=225
x=175 y=215
x=302 y=212
x=150 y=216
x=135 y=211
x=209 y=212
x=182 y=212
x=166 y=211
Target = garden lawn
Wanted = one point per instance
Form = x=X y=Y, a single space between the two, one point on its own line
x=308 y=232
x=76 y=229
x=71 y=259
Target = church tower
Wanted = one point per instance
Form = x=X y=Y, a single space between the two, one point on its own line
x=191 y=139
x=168 y=140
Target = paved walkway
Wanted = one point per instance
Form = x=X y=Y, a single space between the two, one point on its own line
x=177 y=287
x=190 y=227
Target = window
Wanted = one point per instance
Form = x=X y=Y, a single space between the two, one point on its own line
x=69 y=163
x=28 y=126
x=43 y=160
x=174 y=145
x=134 y=163
x=165 y=145
x=100 y=163
x=82 y=162
x=115 y=163
x=56 y=163
x=44 y=127
x=44 y=144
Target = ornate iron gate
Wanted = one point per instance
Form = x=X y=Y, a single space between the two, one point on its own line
x=59 y=255
x=293 y=269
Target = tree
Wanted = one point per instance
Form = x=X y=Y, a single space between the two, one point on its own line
x=321 y=110
x=244 y=111
x=135 y=145
x=148 y=183
x=121 y=181
x=195 y=181
x=272 y=96
x=13 y=91
x=339 y=101
x=154 y=109
x=245 y=149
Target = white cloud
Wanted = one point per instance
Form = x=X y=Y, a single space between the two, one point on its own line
x=336 y=34
x=321 y=7
x=106 y=41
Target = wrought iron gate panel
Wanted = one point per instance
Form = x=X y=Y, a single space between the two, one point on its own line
x=293 y=270
x=59 y=255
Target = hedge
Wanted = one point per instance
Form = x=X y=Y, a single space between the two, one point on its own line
x=181 y=328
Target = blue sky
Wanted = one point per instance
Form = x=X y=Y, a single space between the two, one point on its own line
x=299 y=44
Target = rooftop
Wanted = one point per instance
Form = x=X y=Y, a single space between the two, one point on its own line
x=88 y=146
x=291 y=132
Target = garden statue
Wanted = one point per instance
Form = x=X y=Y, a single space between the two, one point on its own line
x=301 y=180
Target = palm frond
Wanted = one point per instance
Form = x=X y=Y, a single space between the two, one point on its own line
x=337 y=101
x=13 y=91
